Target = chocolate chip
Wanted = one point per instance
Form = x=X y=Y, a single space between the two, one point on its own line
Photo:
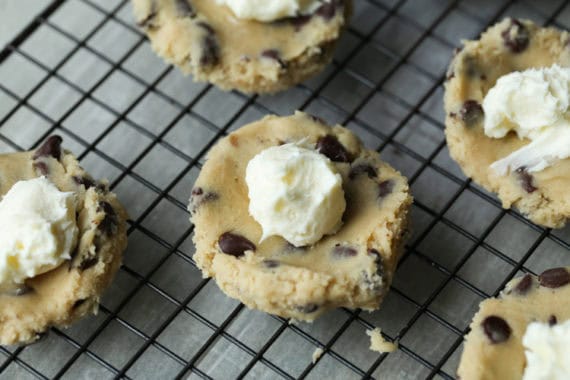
x=41 y=168
x=274 y=55
x=378 y=260
x=83 y=181
x=299 y=21
x=270 y=263
x=50 y=148
x=199 y=196
x=88 y=263
x=552 y=320
x=333 y=149
x=328 y=9
x=210 y=48
x=369 y=170
x=554 y=278
x=524 y=285
x=471 y=112
x=516 y=37
x=110 y=221
x=343 y=251
x=235 y=245
x=526 y=180
x=496 y=329
x=307 y=309
x=184 y=9
x=385 y=188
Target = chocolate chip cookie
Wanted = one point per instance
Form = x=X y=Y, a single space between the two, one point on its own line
x=207 y=40
x=511 y=45
x=352 y=267
x=493 y=348
x=72 y=290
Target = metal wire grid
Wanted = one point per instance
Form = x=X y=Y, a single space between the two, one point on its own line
x=443 y=257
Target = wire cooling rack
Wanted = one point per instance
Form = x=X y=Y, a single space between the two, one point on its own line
x=81 y=69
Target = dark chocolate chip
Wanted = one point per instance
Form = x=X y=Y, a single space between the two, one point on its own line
x=210 y=48
x=85 y=181
x=274 y=55
x=308 y=308
x=271 y=263
x=50 y=148
x=110 y=221
x=344 y=251
x=41 y=168
x=516 y=37
x=378 y=260
x=235 y=245
x=369 y=170
x=184 y=9
x=299 y=22
x=88 y=263
x=496 y=329
x=328 y=10
x=524 y=285
x=199 y=196
x=385 y=188
x=471 y=112
x=552 y=320
x=333 y=149
x=554 y=278
x=526 y=180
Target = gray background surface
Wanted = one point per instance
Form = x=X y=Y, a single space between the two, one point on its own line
x=85 y=74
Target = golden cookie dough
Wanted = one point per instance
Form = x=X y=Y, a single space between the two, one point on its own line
x=511 y=45
x=493 y=348
x=72 y=290
x=352 y=268
x=205 y=39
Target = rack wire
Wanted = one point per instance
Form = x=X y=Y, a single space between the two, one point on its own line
x=81 y=69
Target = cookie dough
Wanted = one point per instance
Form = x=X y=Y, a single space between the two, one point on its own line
x=351 y=268
x=72 y=290
x=493 y=348
x=378 y=343
x=511 y=45
x=207 y=40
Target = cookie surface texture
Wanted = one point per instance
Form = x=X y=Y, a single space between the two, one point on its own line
x=351 y=268
x=70 y=291
x=511 y=45
x=206 y=39
x=493 y=348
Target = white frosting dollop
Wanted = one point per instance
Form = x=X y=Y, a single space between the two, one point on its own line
x=270 y=10
x=547 y=351
x=296 y=193
x=534 y=104
x=38 y=230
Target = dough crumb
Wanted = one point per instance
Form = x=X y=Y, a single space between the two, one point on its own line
x=378 y=343
x=317 y=354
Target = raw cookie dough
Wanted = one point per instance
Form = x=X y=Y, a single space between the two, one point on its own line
x=352 y=268
x=206 y=40
x=72 y=290
x=493 y=348
x=511 y=45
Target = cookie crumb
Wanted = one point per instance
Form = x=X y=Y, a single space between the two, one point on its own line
x=317 y=354
x=378 y=343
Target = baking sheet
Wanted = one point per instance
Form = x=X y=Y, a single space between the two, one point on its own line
x=86 y=73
